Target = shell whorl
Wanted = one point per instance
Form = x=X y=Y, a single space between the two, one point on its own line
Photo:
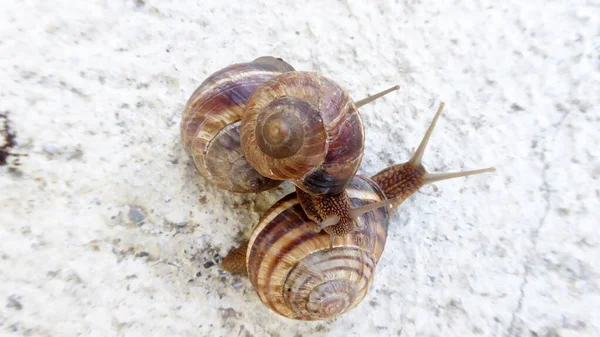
x=211 y=121
x=293 y=269
x=303 y=127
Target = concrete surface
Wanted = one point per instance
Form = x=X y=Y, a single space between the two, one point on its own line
x=106 y=230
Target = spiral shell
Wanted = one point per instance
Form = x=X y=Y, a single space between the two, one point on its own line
x=304 y=127
x=211 y=121
x=293 y=269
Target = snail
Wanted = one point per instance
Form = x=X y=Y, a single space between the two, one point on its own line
x=212 y=118
x=298 y=273
x=305 y=127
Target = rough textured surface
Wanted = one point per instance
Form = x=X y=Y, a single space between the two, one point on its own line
x=106 y=230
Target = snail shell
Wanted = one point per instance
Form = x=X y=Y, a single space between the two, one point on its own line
x=211 y=121
x=304 y=127
x=296 y=273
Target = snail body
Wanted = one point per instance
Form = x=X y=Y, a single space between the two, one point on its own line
x=302 y=273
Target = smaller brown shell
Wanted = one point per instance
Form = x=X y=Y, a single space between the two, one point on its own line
x=304 y=127
x=211 y=121
x=296 y=273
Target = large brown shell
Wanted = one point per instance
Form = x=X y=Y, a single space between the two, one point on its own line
x=211 y=121
x=304 y=127
x=293 y=269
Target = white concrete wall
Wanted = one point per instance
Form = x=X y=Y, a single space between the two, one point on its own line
x=105 y=226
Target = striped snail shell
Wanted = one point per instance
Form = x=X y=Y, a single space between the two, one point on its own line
x=211 y=121
x=296 y=273
x=303 y=127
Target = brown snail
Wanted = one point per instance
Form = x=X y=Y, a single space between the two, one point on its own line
x=298 y=273
x=305 y=127
x=210 y=128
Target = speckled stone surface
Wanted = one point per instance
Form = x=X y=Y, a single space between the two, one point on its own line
x=107 y=230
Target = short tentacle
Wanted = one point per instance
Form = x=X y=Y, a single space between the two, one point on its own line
x=331 y=221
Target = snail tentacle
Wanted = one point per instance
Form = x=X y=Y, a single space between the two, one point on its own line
x=402 y=180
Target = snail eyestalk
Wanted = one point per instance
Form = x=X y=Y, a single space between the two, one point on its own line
x=433 y=177
x=367 y=100
x=418 y=155
x=403 y=180
x=331 y=221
